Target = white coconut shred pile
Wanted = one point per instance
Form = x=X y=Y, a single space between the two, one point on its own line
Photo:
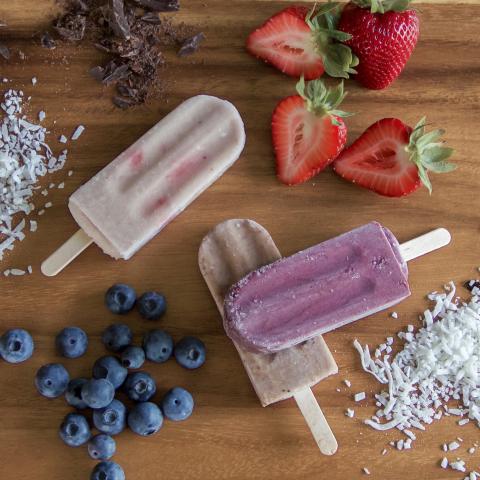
x=24 y=157
x=438 y=363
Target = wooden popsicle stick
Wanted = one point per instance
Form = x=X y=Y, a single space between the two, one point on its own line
x=311 y=411
x=70 y=250
x=424 y=244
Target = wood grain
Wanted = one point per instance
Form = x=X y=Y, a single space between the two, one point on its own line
x=230 y=436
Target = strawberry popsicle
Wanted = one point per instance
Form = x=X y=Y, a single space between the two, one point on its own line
x=135 y=196
x=317 y=290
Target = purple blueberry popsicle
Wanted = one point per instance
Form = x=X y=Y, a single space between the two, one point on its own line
x=317 y=290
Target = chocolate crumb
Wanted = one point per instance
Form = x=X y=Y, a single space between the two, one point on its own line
x=4 y=51
x=71 y=27
x=159 y=5
x=47 y=41
x=190 y=45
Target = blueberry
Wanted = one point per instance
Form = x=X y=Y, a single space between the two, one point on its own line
x=145 y=419
x=111 y=419
x=98 y=393
x=102 y=447
x=177 y=404
x=51 y=380
x=109 y=367
x=120 y=298
x=117 y=336
x=107 y=471
x=152 y=305
x=190 y=352
x=74 y=430
x=16 y=345
x=133 y=357
x=140 y=386
x=72 y=342
x=158 y=345
x=73 y=395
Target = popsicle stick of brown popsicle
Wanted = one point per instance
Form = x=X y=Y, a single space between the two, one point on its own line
x=230 y=251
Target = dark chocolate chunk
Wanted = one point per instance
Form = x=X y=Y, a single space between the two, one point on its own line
x=47 y=41
x=4 y=51
x=71 y=27
x=122 y=102
x=151 y=17
x=114 y=73
x=159 y=5
x=97 y=73
x=118 y=20
x=191 y=45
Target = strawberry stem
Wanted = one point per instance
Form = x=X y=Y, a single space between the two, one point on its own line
x=428 y=153
x=321 y=100
x=338 y=59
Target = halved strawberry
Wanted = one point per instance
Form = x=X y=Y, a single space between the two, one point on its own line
x=300 y=42
x=308 y=131
x=393 y=159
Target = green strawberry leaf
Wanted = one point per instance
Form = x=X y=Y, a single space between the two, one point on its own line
x=428 y=154
x=338 y=59
x=321 y=100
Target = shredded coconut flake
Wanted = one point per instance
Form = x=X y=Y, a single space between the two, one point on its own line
x=350 y=413
x=358 y=397
x=366 y=471
x=24 y=158
x=78 y=131
x=438 y=363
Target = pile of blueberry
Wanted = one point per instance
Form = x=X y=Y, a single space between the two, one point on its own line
x=111 y=375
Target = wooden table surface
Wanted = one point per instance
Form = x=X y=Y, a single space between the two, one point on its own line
x=230 y=436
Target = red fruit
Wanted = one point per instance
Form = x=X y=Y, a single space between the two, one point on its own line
x=300 y=42
x=307 y=131
x=392 y=159
x=383 y=42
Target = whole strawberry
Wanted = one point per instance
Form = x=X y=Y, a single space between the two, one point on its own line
x=308 y=131
x=383 y=36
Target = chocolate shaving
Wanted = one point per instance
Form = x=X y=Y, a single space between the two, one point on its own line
x=4 y=51
x=191 y=45
x=159 y=5
x=118 y=19
x=47 y=41
x=71 y=27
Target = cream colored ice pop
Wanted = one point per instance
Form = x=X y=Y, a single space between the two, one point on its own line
x=230 y=251
x=135 y=196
